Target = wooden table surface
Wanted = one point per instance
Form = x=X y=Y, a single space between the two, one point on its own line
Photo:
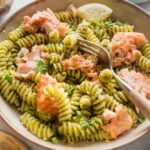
x=142 y=143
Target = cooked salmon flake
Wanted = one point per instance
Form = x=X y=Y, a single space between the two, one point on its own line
x=125 y=47
x=137 y=81
x=119 y=122
x=26 y=62
x=46 y=105
x=79 y=62
x=44 y=20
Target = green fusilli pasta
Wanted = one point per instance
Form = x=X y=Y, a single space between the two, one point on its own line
x=36 y=126
x=17 y=33
x=144 y=63
x=146 y=50
x=25 y=92
x=74 y=132
x=53 y=48
x=123 y=28
x=31 y=40
x=7 y=92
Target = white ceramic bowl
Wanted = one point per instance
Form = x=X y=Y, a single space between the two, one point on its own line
x=124 y=11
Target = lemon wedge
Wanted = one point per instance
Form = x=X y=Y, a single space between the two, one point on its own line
x=94 y=11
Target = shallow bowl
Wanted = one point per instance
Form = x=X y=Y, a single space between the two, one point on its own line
x=123 y=10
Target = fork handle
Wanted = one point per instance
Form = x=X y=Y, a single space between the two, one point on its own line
x=135 y=97
x=141 y=102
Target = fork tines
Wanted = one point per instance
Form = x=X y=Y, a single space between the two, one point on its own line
x=88 y=47
x=93 y=49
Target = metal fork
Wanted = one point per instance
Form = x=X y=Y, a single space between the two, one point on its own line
x=137 y=99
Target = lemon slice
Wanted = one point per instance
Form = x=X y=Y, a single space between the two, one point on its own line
x=94 y=11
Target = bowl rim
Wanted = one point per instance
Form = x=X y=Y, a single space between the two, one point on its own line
x=15 y=129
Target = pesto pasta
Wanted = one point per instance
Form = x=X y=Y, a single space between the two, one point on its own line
x=61 y=92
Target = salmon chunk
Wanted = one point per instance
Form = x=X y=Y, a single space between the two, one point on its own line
x=45 y=20
x=26 y=62
x=119 y=122
x=137 y=81
x=46 y=105
x=125 y=47
x=79 y=62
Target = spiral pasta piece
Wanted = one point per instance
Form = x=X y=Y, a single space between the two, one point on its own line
x=53 y=48
x=105 y=76
x=54 y=37
x=10 y=63
x=85 y=102
x=57 y=68
x=7 y=92
x=3 y=62
x=89 y=88
x=29 y=109
x=70 y=40
x=77 y=74
x=6 y=46
x=17 y=33
x=144 y=63
x=99 y=136
x=36 y=77
x=36 y=127
x=99 y=104
x=120 y=97
x=60 y=77
x=82 y=28
x=98 y=99
x=31 y=40
x=74 y=101
x=111 y=103
x=123 y=28
x=24 y=107
x=99 y=32
x=146 y=50
x=73 y=132
x=87 y=33
x=106 y=43
x=53 y=58
x=90 y=36
x=64 y=16
x=67 y=16
x=74 y=22
x=7 y=58
x=66 y=86
x=43 y=117
x=86 y=113
x=112 y=89
x=25 y=92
